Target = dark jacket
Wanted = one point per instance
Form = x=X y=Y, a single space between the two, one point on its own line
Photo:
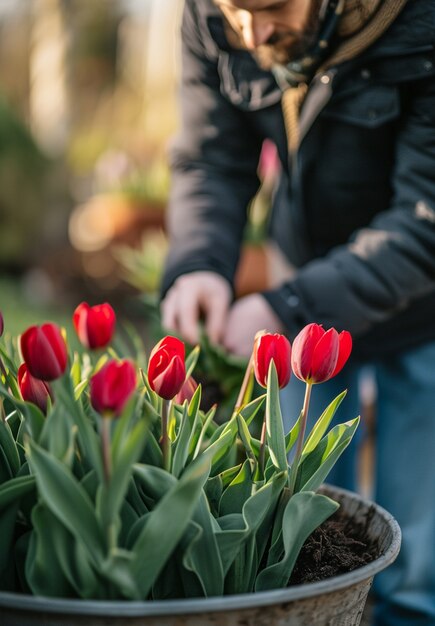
x=355 y=208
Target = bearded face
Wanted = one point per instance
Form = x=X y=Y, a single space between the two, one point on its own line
x=274 y=32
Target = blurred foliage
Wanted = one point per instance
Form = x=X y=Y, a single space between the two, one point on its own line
x=20 y=311
x=23 y=187
x=142 y=267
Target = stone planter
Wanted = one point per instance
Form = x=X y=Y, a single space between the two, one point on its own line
x=336 y=601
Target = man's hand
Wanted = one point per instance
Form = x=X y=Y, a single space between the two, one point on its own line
x=246 y=317
x=194 y=295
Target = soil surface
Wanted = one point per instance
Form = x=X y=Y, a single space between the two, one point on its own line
x=338 y=546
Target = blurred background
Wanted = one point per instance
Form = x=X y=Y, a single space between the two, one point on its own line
x=87 y=106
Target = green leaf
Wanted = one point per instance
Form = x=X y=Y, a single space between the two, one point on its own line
x=59 y=434
x=246 y=439
x=48 y=544
x=88 y=438
x=79 y=389
x=67 y=500
x=181 y=444
x=207 y=423
x=237 y=529
x=33 y=417
x=7 y=533
x=172 y=515
x=316 y=466
x=203 y=556
x=274 y=426
x=249 y=411
x=117 y=569
x=14 y=489
x=238 y=492
x=292 y=435
x=9 y=447
x=113 y=493
x=303 y=514
x=322 y=424
x=191 y=361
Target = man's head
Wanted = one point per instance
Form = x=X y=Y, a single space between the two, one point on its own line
x=276 y=31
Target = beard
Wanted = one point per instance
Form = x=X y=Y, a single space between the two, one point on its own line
x=287 y=46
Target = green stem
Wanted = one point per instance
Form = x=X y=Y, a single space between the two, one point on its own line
x=244 y=386
x=105 y=444
x=301 y=437
x=165 y=442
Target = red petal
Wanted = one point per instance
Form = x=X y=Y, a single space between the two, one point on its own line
x=345 y=348
x=325 y=357
x=303 y=350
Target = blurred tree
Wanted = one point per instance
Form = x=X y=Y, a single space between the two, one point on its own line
x=23 y=180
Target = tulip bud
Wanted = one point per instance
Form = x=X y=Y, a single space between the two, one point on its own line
x=94 y=324
x=32 y=389
x=318 y=355
x=266 y=348
x=44 y=351
x=2 y=324
x=166 y=367
x=187 y=390
x=112 y=386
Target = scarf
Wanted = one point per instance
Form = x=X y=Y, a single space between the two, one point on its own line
x=354 y=25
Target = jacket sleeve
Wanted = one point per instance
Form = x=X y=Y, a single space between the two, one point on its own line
x=390 y=264
x=214 y=166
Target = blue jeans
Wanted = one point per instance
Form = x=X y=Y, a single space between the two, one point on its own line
x=404 y=471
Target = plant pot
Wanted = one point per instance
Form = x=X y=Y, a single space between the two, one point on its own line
x=251 y=275
x=336 y=601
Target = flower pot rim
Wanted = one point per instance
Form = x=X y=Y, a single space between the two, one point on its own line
x=127 y=608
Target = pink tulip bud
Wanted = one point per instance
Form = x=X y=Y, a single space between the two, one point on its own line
x=266 y=348
x=166 y=367
x=318 y=355
x=94 y=324
x=187 y=390
x=32 y=389
x=112 y=386
x=44 y=351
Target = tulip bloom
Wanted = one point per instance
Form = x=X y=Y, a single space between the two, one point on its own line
x=166 y=367
x=187 y=390
x=44 y=351
x=2 y=324
x=266 y=348
x=32 y=389
x=112 y=386
x=318 y=355
x=94 y=324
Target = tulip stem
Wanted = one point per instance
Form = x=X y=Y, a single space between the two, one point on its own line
x=244 y=386
x=105 y=441
x=301 y=437
x=164 y=441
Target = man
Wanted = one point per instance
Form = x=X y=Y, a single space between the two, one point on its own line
x=346 y=90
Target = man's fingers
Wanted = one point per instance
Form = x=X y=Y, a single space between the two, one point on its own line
x=188 y=315
x=216 y=315
x=169 y=311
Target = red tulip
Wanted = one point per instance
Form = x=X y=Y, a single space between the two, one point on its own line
x=44 y=351
x=94 y=324
x=112 y=386
x=2 y=324
x=166 y=367
x=278 y=348
x=187 y=390
x=318 y=355
x=32 y=389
